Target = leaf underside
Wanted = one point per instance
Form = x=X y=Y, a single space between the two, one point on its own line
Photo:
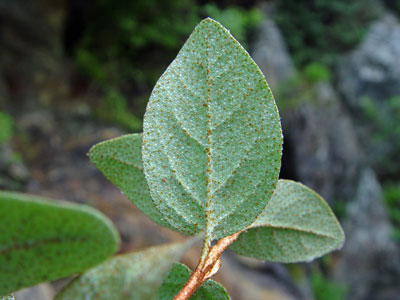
x=178 y=276
x=42 y=240
x=212 y=137
x=296 y=225
x=133 y=276
x=120 y=160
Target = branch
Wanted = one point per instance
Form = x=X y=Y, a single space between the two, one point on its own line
x=206 y=268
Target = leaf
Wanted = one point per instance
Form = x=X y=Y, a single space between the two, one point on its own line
x=9 y=297
x=212 y=137
x=133 y=276
x=42 y=240
x=296 y=225
x=120 y=160
x=179 y=275
x=6 y=125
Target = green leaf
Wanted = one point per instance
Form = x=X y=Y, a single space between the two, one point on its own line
x=120 y=160
x=6 y=125
x=178 y=276
x=296 y=225
x=42 y=240
x=212 y=137
x=9 y=297
x=133 y=276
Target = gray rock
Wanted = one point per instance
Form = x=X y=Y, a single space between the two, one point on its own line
x=370 y=262
x=271 y=54
x=42 y=291
x=322 y=150
x=320 y=146
x=367 y=223
x=326 y=156
x=267 y=281
x=373 y=70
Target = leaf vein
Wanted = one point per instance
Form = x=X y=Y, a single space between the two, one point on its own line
x=178 y=178
x=296 y=230
x=185 y=130
x=239 y=163
x=166 y=202
x=208 y=137
x=124 y=162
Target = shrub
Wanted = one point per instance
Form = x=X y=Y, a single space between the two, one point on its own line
x=325 y=289
x=319 y=30
x=315 y=72
x=382 y=124
x=391 y=193
x=207 y=166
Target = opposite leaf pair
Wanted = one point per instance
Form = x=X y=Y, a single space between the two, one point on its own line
x=296 y=225
x=211 y=152
x=45 y=240
x=208 y=162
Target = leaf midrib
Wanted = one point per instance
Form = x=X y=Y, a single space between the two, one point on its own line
x=296 y=230
x=30 y=245
x=123 y=162
x=208 y=139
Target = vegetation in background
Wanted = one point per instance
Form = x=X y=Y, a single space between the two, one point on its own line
x=319 y=30
x=125 y=45
x=128 y=43
x=326 y=289
x=122 y=35
x=391 y=192
x=315 y=72
x=383 y=122
x=237 y=19
x=339 y=208
x=294 y=93
x=193 y=170
x=6 y=127
x=393 y=5
x=113 y=107
x=300 y=89
x=12 y=170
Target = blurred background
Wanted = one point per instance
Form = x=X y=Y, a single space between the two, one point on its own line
x=73 y=73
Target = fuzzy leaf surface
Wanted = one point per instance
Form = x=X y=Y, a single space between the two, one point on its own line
x=132 y=276
x=46 y=240
x=212 y=136
x=120 y=160
x=178 y=276
x=296 y=225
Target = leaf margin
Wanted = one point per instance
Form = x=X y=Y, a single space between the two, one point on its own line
x=259 y=230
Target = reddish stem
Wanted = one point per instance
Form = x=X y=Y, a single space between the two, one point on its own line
x=205 y=268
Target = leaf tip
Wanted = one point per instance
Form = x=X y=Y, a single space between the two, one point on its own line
x=91 y=152
x=210 y=22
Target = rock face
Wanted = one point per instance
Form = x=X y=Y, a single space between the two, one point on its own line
x=371 y=74
x=372 y=70
x=326 y=157
x=42 y=291
x=30 y=65
x=320 y=139
x=370 y=262
x=321 y=149
x=271 y=54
